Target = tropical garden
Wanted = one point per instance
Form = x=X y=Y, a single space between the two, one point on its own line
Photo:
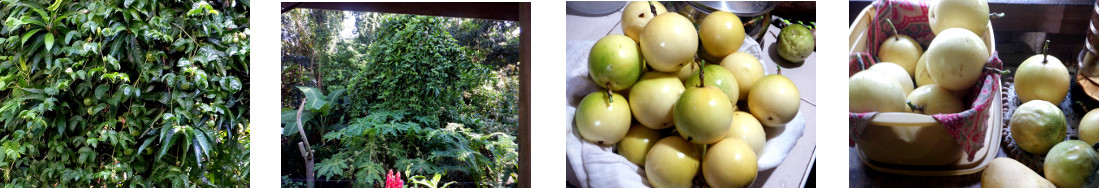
x=124 y=93
x=396 y=100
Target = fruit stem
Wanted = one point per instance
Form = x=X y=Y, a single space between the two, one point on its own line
x=652 y=8
x=1082 y=106
x=998 y=71
x=996 y=15
x=1045 y=49
x=890 y=22
x=753 y=21
x=915 y=108
x=701 y=72
x=610 y=96
x=778 y=70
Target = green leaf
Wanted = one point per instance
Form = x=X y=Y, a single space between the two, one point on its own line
x=142 y=148
x=167 y=143
x=331 y=167
x=86 y=154
x=334 y=97
x=315 y=98
x=234 y=84
x=198 y=154
x=98 y=108
x=49 y=41
x=41 y=13
x=110 y=60
x=56 y=4
x=289 y=121
x=202 y=143
x=13 y=23
x=100 y=90
x=28 y=36
x=69 y=36
x=11 y=149
x=50 y=91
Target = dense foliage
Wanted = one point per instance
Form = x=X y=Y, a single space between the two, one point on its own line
x=416 y=65
x=124 y=93
x=415 y=94
x=390 y=137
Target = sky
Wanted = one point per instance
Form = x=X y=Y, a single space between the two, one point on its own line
x=348 y=25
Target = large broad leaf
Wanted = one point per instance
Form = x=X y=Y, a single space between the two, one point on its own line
x=314 y=98
x=334 y=101
x=289 y=116
x=289 y=121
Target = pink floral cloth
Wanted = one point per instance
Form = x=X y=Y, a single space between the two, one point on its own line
x=909 y=17
x=968 y=127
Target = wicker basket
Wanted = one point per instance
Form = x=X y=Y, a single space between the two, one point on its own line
x=984 y=114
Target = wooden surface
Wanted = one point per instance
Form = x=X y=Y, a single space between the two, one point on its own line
x=862 y=176
x=796 y=167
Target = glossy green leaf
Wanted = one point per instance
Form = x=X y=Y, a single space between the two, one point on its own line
x=69 y=36
x=41 y=13
x=167 y=143
x=110 y=60
x=143 y=146
x=202 y=143
x=100 y=90
x=83 y=95
x=289 y=120
x=314 y=98
x=198 y=153
x=49 y=41
x=28 y=36
x=12 y=23
x=86 y=154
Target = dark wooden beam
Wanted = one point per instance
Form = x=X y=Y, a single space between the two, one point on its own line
x=482 y=10
x=524 y=95
x=287 y=6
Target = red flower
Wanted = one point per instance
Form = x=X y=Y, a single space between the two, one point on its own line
x=392 y=181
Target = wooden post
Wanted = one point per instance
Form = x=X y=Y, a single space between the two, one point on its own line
x=524 y=95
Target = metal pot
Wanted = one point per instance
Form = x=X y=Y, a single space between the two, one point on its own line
x=747 y=11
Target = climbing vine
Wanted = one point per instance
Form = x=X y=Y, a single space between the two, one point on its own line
x=124 y=93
